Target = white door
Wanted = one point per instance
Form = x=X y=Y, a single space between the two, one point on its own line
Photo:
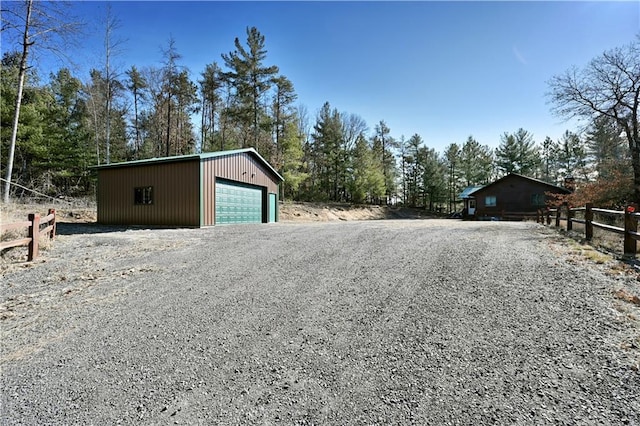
x=472 y=206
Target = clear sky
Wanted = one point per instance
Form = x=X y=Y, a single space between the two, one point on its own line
x=444 y=70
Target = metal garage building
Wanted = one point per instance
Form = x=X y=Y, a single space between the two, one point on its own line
x=191 y=190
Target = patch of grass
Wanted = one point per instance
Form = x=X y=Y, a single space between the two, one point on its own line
x=588 y=252
x=596 y=256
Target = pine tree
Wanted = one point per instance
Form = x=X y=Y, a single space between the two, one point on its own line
x=283 y=114
x=415 y=169
x=383 y=144
x=211 y=103
x=251 y=79
x=571 y=156
x=366 y=184
x=548 y=161
x=186 y=100
x=452 y=161
x=67 y=155
x=327 y=142
x=607 y=147
x=137 y=85
x=433 y=182
x=517 y=153
x=353 y=126
x=292 y=167
x=170 y=73
x=476 y=163
x=30 y=134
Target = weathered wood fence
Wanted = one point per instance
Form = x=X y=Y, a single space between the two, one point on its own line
x=37 y=228
x=568 y=214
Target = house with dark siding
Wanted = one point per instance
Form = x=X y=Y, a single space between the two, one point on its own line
x=511 y=194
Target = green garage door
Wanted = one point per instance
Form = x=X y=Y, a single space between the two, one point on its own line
x=238 y=203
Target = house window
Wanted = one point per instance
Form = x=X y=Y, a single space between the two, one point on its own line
x=143 y=195
x=537 y=200
x=490 y=201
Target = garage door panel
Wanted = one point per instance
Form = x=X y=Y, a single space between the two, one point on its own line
x=238 y=203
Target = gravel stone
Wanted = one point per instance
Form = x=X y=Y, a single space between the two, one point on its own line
x=372 y=322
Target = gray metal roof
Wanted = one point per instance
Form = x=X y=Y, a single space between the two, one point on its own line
x=466 y=193
x=188 y=157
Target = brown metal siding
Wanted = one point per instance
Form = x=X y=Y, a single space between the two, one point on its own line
x=176 y=194
x=239 y=167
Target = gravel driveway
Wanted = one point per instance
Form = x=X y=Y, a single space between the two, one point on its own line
x=376 y=322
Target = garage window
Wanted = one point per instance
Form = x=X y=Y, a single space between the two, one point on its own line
x=490 y=201
x=143 y=195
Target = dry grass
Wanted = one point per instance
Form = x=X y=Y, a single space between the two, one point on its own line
x=589 y=252
x=603 y=241
x=624 y=294
x=80 y=210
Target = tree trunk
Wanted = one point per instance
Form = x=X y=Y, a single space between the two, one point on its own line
x=168 y=146
x=135 y=112
x=16 y=116
x=634 y=148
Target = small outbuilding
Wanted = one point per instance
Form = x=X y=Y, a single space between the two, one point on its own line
x=197 y=190
x=512 y=194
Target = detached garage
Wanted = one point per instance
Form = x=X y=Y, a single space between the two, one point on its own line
x=191 y=190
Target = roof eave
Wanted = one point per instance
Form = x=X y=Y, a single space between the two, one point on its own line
x=190 y=157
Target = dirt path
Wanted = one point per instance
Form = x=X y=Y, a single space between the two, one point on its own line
x=377 y=322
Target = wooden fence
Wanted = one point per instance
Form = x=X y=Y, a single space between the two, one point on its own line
x=37 y=228
x=568 y=214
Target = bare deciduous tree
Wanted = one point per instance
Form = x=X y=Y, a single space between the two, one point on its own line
x=608 y=86
x=112 y=47
x=46 y=25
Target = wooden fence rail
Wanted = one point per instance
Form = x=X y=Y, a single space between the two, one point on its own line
x=37 y=228
x=630 y=215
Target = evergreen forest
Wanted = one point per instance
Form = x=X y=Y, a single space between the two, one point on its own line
x=67 y=124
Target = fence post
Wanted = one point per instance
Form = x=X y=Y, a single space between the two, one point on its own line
x=558 y=214
x=569 y=223
x=548 y=216
x=588 y=221
x=630 y=225
x=34 y=233
x=52 y=234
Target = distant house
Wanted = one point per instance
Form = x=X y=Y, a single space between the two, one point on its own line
x=512 y=193
x=189 y=190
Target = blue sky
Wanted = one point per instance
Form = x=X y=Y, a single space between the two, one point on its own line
x=444 y=70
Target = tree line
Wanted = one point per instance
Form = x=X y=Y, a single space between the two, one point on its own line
x=66 y=125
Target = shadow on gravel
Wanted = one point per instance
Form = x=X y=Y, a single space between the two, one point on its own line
x=409 y=213
x=78 y=228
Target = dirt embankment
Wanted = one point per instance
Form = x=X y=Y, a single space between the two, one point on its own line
x=326 y=212
x=84 y=211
